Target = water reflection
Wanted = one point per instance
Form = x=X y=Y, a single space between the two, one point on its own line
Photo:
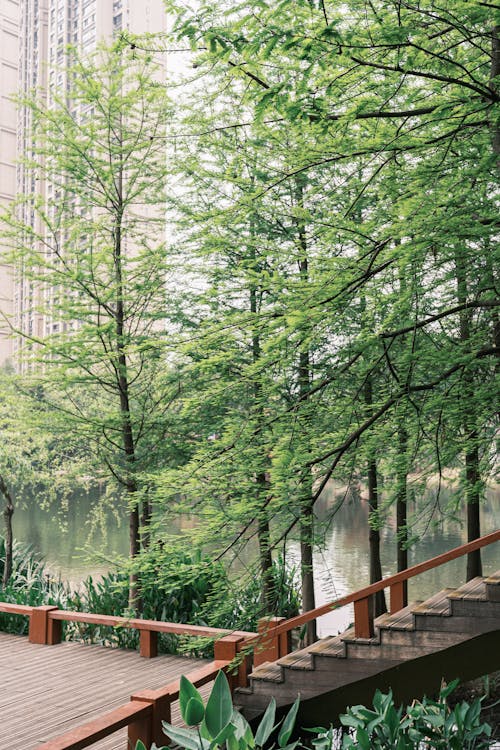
x=342 y=565
x=67 y=536
x=73 y=538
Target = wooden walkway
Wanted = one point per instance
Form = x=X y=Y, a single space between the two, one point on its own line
x=47 y=690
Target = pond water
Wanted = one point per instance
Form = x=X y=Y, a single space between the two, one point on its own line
x=83 y=537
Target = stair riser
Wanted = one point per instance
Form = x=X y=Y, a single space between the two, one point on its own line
x=451 y=625
x=324 y=678
x=401 y=649
x=474 y=609
x=493 y=592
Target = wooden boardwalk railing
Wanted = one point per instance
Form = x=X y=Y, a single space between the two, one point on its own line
x=146 y=710
x=278 y=630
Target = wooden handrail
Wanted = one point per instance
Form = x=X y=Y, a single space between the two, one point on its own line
x=93 y=731
x=46 y=620
x=157 y=626
x=397 y=578
x=16 y=609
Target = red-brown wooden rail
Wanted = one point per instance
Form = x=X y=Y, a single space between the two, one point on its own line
x=46 y=621
x=363 y=600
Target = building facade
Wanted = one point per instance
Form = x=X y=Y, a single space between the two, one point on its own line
x=46 y=28
x=9 y=56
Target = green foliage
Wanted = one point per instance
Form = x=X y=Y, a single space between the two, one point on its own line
x=221 y=725
x=425 y=724
x=179 y=587
x=243 y=607
x=30 y=583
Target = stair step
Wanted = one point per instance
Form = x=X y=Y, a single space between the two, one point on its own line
x=438 y=604
x=269 y=671
x=474 y=590
x=493 y=587
x=493 y=579
x=243 y=691
x=350 y=637
x=297 y=660
x=332 y=646
x=401 y=620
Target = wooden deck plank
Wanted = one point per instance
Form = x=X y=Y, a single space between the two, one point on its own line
x=47 y=690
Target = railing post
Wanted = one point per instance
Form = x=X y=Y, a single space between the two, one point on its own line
x=150 y=730
x=270 y=646
x=41 y=630
x=229 y=648
x=363 y=617
x=148 y=643
x=398 y=594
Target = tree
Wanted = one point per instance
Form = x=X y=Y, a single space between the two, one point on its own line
x=397 y=101
x=96 y=255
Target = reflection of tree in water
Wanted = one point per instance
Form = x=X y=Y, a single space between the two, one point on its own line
x=342 y=560
x=32 y=535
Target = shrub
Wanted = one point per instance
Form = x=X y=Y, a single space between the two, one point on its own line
x=174 y=586
x=424 y=725
x=218 y=724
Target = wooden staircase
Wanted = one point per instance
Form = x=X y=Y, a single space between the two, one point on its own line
x=445 y=620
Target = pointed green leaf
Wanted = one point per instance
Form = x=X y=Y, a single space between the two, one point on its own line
x=187 y=691
x=288 y=724
x=194 y=712
x=186 y=738
x=228 y=731
x=266 y=726
x=219 y=706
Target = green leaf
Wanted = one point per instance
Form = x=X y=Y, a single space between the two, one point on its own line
x=139 y=745
x=194 y=712
x=266 y=725
x=186 y=738
x=187 y=691
x=219 y=709
x=228 y=731
x=288 y=724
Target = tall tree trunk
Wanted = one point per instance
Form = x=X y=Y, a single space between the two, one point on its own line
x=401 y=506
x=469 y=425
x=306 y=525
x=267 y=597
x=9 y=537
x=373 y=516
x=128 y=442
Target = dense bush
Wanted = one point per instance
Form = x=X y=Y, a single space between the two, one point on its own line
x=423 y=725
x=174 y=587
x=30 y=583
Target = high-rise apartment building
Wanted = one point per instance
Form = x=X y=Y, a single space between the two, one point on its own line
x=45 y=28
x=9 y=56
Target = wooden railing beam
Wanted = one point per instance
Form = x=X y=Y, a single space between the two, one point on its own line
x=133 y=713
x=161 y=704
x=39 y=624
x=230 y=648
x=271 y=644
x=148 y=643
